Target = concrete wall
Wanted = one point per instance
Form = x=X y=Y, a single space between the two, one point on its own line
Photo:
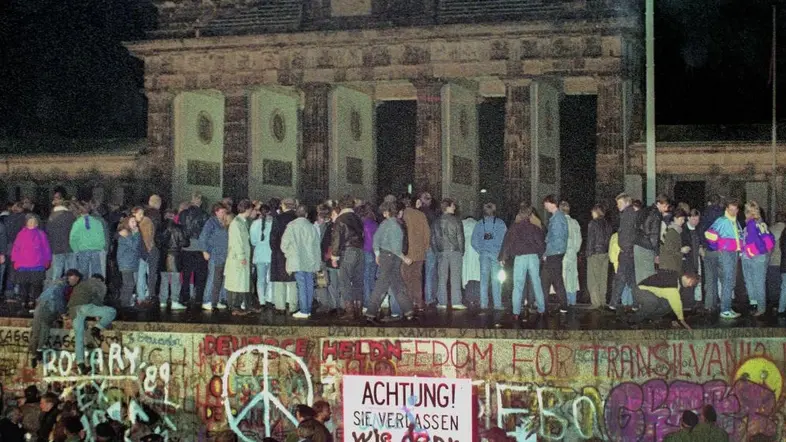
x=538 y=385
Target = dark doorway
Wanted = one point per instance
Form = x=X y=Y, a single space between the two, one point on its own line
x=396 y=125
x=491 y=156
x=691 y=192
x=578 y=117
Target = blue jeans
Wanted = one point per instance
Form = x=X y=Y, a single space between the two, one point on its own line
x=263 y=285
x=170 y=280
x=571 y=298
x=141 y=281
x=105 y=317
x=211 y=274
x=489 y=269
x=89 y=262
x=711 y=277
x=754 y=270
x=525 y=265
x=61 y=263
x=369 y=275
x=728 y=277
x=431 y=277
x=305 y=291
x=627 y=296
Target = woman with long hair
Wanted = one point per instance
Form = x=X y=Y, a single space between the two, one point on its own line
x=525 y=242
x=31 y=257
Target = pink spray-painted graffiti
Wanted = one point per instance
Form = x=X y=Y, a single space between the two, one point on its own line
x=649 y=412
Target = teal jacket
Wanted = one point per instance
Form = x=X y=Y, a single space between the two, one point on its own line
x=87 y=234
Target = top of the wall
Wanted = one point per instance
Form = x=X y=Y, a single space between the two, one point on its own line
x=187 y=19
x=349 y=331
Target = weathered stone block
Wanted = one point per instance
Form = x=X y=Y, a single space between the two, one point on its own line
x=499 y=50
x=592 y=46
x=530 y=48
x=376 y=56
x=415 y=54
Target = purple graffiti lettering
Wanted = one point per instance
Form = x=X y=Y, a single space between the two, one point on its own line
x=649 y=412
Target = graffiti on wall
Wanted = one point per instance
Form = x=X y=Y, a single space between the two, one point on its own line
x=548 y=387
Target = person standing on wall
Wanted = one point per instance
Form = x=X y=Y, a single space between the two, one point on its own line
x=260 y=241
x=171 y=240
x=598 y=237
x=556 y=246
x=418 y=245
x=447 y=235
x=31 y=257
x=487 y=241
x=193 y=264
x=58 y=229
x=570 y=264
x=129 y=247
x=214 y=240
x=525 y=243
x=625 y=275
x=347 y=254
x=145 y=284
x=88 y=240
x=725 y=237
x=301 y=246
x=757 y=244
x=237 y=271
x=284 y=285
x=425 y=204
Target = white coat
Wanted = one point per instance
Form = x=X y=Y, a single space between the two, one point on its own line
x=237 y=271
x=570 y=270
x=301 y=246
x=471 y=269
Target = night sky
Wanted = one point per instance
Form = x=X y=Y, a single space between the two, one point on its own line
x=64 y=71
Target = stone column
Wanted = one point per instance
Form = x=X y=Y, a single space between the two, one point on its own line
x=236 y=155
x=314 y=156
x=518 y=151
x=609 y=160
x=428 y=140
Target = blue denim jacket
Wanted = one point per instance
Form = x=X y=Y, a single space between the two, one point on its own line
x=557 y=236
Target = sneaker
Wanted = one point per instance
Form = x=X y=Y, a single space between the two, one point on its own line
x=301 y=315
x=365 y=309
x=163 y=305
x=441 y=307
x=208 y=307
x=243 y=305
x=395 y=316
x=177 y=306
x=730 y=314
x=563 y=310
x=221 y=306
x=459 y=307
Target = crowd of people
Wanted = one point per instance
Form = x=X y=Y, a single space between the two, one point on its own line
x=349 y=256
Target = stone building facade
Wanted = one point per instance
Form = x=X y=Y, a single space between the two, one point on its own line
x=220 y=66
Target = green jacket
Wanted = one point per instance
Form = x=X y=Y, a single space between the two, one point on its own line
x=83 y=239
x=705 y=432
x=684 y=435
x=91 y=291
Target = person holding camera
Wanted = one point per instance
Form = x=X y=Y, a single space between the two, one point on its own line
x=487 y=241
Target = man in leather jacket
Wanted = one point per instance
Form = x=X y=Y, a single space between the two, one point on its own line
x=171 y=240
x=650 y=226
x=192 y=263
x=447 y=234
x=347 y=254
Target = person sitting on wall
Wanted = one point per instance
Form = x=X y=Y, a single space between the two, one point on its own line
x=87 y=300
x=659 y=294
x=51 y=306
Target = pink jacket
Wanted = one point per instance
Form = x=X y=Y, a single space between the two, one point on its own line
x=31 y=250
